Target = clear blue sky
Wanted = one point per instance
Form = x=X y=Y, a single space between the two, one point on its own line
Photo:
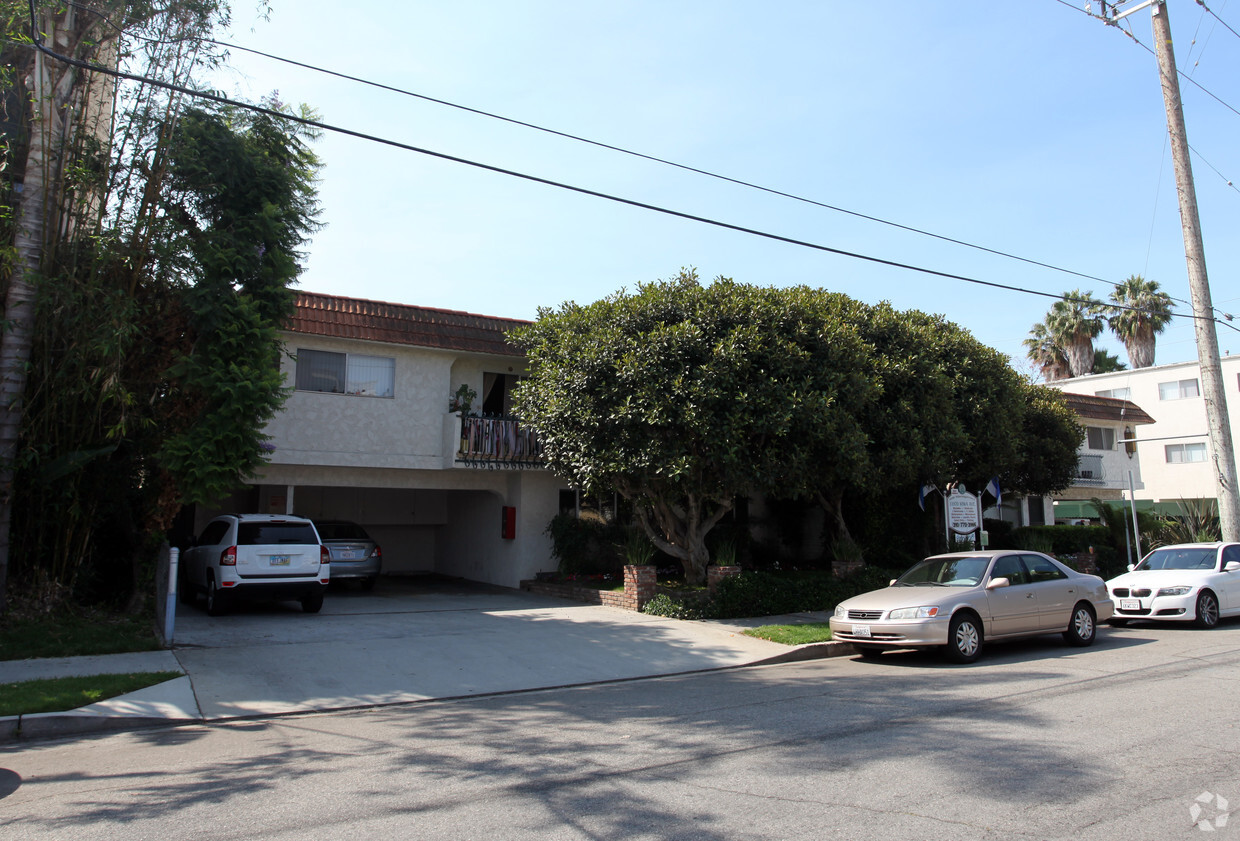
x=1024 y=127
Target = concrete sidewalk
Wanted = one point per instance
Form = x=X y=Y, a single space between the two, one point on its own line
x=404 y=642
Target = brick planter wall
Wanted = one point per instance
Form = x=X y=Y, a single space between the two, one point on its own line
x=639 y=588
x=715 y=574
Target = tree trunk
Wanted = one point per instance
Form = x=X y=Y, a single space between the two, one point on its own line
x=1140 y=347
x=833 y=504
x=1081 y=357
x=53 y=91
x=42 y=171
x=681 y=530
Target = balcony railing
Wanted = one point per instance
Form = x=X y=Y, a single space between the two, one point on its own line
x=497 y=443
x=1089 y=471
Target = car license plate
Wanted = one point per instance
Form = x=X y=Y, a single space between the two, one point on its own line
x=349 y=554
x=280 y=560
x=861 y=630
x=1130 y=604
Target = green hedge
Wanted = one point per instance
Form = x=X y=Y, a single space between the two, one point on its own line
x=771 y=594
x=1063 y=540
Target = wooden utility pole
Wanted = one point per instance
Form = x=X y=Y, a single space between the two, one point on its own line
x=1219 y=430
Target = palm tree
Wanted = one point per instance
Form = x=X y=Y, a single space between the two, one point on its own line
x=1045 y=354
x=1107 y=363
x=1137 y=327
x=1074 y=323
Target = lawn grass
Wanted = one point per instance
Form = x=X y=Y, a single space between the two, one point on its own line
x=793 y=634
x=70 y=633
x=68 y=693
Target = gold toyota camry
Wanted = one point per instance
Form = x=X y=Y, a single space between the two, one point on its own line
x=961 y=601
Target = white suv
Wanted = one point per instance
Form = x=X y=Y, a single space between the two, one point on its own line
x=255 y=556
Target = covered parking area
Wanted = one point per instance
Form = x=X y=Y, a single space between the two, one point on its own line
x=482 y=525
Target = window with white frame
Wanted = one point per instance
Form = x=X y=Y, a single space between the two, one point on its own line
x=1118 y=393
x=1185 y=453
x=345 y=373
x=1178 y=390
x=1099 y=438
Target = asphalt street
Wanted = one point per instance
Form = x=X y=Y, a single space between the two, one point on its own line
x=1038 y=740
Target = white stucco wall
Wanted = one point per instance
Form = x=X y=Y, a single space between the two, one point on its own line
x=405 y=430
x=388 y=464
x=1115 y=463
x=1175 y=418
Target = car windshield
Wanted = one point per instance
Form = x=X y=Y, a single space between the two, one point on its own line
x=342 y=531
x=1196 y=557
x=962 y=571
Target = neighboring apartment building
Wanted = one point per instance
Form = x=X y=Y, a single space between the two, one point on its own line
x=366 y=436
x=1103 y=466
x=1174 y=453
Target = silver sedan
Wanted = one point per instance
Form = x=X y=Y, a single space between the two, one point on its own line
x=962 y=600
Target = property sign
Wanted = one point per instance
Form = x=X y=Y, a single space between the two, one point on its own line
x=962 y=513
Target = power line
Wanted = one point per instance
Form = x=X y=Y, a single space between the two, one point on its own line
x=632 y=153
x=318 y=124
x=1217 y=18
x=624 y=151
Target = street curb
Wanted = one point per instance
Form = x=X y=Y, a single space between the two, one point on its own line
x=24 y=729
x=17 y=729
x=809 y=651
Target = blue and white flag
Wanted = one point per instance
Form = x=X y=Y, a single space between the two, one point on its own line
x=921 y=495
x=992 y=488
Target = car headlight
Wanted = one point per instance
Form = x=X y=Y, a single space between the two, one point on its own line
x=840 y=612
x=1174 y=591
x=913 y=613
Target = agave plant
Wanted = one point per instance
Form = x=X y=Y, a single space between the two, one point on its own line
x=1197 y=522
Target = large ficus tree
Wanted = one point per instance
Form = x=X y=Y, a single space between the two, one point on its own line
x=683 y=396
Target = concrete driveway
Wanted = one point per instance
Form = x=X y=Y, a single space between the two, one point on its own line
x=420 y=638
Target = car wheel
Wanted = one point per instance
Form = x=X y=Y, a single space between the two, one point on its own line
x=313 y=603
x=964 y=638
x=1082 y=629
x=217 y=602
x=1207 y=610
x=869 y=652
x=368 y=584
x=1118 y=623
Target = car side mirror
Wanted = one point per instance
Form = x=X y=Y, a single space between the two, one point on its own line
x=1131 y=567
x=1231 y=566
x=891 y=583
x=996 y=583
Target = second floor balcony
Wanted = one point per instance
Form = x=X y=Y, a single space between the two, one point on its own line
x=491 y=443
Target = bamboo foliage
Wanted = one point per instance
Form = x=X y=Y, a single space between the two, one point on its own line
x=152 y=355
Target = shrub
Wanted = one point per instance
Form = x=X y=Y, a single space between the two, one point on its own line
x=665 y=605
x=1063 y=540
x=586 y=547
x=770 y=594
x=999 y=534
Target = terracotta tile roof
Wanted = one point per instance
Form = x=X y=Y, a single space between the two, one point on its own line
x=376 y=321
x=1106 y=408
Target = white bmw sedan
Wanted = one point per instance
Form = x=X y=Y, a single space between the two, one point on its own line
x=1188 y=582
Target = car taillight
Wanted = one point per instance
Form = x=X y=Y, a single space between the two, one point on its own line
x=378 y=553
x=228 y=558
x=325 y=557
